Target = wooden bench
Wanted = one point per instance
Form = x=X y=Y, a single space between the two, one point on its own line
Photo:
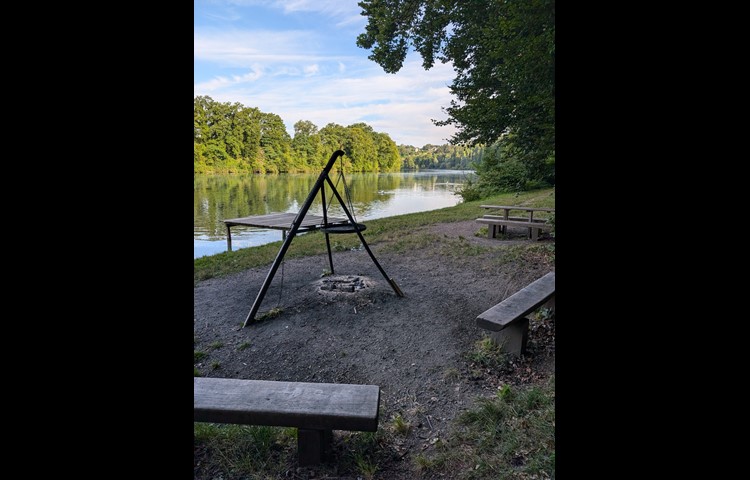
x=507 y=320
x=517 y=219
x=535 y=226
x=316 y=409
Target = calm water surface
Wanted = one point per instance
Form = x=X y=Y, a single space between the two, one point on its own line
x=372 y=195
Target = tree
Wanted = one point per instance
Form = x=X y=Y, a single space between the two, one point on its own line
x=275 y=143
x=503 y=52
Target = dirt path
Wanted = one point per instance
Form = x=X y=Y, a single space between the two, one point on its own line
x=414 y=347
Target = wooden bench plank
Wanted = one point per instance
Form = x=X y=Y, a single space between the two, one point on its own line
x=534 y=227
x=514 y=223
x=315 y=406
x=516 y=219
x=519 y=304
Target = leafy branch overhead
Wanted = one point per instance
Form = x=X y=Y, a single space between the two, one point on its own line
x=503 y=53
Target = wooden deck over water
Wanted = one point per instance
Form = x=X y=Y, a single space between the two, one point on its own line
x=280 y=221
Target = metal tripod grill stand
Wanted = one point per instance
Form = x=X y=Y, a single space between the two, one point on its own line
x=351 y=227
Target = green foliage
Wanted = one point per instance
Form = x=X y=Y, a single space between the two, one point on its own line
x=273 y=313
x=487 y=354
x=232 y=138
x=198 y=355
x=511 y=435
x=503 y=168
x=243 y=346
x=504 y=56
x=240 y=451
x=454 y=157
x=400 y=425
x=551 y=221
x=365 y=465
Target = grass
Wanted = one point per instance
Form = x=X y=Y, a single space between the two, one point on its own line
x=273 y=313
x=400 y=425
x=245 y=451
x=259 y=452
x=198 y=356
x=487 y=354
x=511 y=435
x=390 y=230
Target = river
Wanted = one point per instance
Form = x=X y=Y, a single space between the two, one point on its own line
x=372 y=195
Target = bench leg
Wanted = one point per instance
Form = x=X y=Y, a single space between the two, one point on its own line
x=313 y=446
x=490 y=231
x=513 y=338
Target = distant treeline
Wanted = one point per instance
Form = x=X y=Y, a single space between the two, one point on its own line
x=232 y=138
x=452 y=157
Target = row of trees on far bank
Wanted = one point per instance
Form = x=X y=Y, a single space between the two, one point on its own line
x=230 y=138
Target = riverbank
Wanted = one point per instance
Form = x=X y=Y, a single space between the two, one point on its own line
x=424 y=349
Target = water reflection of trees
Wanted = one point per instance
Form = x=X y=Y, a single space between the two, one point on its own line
x=218 y=197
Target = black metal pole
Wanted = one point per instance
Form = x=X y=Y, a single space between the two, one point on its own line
x=290 y=236
x=325 y=222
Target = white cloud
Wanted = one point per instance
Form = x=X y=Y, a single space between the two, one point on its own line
x=223 y=82
x=242 y=48
x=401 y=105
x=345 y=12
x=311 y=70
x=320 y=75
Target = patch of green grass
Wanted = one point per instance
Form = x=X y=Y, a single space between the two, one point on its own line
x=380 y=230
x=243 y=346
x=198 y=356
x=196 y=372
x=487 y=354
x=365 y=465
x=361 y=451
x=273 y=313
x=215 y=365
x=400 y=425
x=215 y=345
x=509 y=436
x=241 y=451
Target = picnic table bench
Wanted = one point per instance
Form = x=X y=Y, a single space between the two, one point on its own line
x=507 y=320
x=316 y=409
x=499 y=223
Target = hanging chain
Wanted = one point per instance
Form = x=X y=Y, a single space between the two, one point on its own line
x=346 y=191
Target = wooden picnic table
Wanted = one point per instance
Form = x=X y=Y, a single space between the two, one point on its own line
x=280 y=221
x=506 y=209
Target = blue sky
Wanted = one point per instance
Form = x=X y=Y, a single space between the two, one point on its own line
x=299 y=60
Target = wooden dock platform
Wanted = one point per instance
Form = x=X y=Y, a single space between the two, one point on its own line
x=280 y=221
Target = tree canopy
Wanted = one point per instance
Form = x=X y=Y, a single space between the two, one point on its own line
x=503 y=52
x=229 y=137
